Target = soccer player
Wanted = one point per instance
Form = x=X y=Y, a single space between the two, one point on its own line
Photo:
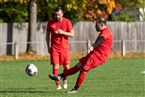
x=98 y=55
x=59 y=29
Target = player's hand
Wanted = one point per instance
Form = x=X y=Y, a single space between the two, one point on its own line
x=56 y=32
x=49 y=50
x=90 y=47
x=60 y=31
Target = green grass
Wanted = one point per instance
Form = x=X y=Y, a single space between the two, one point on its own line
x=116 y=78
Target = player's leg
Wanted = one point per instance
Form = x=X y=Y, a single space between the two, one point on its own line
x=71 y=71
x=66 y=67
x=68 y=72
x=56 y=71
x=65 y=61
x=80 y=80
x=55 y=62
x=88 y=63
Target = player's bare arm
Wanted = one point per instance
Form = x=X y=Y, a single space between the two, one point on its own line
x=48 y=39
x=68 y=34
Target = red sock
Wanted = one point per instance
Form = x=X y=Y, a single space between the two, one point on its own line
x=71 y=71
x=65 y=78
x=56 y=71
x=80 y=79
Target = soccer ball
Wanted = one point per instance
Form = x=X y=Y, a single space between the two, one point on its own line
x=31 y=70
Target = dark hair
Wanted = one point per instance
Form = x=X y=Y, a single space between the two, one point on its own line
x=101 y=20
x=58 y=9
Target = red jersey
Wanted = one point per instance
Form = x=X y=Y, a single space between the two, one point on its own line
x=102 y=51
x=59 y=42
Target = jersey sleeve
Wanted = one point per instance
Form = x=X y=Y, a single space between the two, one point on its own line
x=69 y=26
x=106 y=33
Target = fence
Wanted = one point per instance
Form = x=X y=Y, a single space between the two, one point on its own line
x=127 y=37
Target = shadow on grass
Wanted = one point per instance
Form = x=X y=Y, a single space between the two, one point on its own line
x=23 y=90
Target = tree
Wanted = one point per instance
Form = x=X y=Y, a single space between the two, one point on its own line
x=32 y=15
x=46 y=8
x=13 y=12
x=76 y=10
x=130 y=10
x=97 y=8
x=71 y=8
x=32 y=10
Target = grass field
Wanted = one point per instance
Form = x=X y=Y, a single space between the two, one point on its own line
x=116 y=78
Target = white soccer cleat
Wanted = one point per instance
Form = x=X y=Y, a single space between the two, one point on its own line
x=65 y=84
x=58 y=87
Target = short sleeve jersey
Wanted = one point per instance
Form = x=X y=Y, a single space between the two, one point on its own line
x=102 y=51
x=59 y=42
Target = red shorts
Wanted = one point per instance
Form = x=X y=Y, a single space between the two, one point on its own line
x=60 y=57
x=90 y=63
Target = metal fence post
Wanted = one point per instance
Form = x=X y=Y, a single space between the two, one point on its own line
x=88 y=44
x=16 y=50
x=123 y=48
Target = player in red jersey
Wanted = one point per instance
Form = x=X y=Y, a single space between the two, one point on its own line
x=98 y=55
x=59 y=29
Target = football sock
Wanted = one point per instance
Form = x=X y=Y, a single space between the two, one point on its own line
x=71 y=71
x=76 y=87
x=56 y=71
x=80 y=79
x=64 y=78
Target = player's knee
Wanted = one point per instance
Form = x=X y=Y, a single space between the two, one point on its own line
x=56 y=66
x=79 y=65
x=83 y=70
x=66 y=67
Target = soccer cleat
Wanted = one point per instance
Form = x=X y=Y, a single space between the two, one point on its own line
x=73 y=91
x=55 y=77
x=65 y=84
x=58 y=87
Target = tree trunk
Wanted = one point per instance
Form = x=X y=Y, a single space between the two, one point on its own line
x=32 y=16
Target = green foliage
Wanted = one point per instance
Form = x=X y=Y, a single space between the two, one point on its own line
x=71 y=8
x=13 y=12
x=133 y=5
x=46 y=8
x=75 y=10
x=17 y=12
x=124 y=16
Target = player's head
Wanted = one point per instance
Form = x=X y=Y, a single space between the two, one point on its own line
x=58 y=13
x=100 y=24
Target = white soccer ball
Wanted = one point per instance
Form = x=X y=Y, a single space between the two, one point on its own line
x=31 y=70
